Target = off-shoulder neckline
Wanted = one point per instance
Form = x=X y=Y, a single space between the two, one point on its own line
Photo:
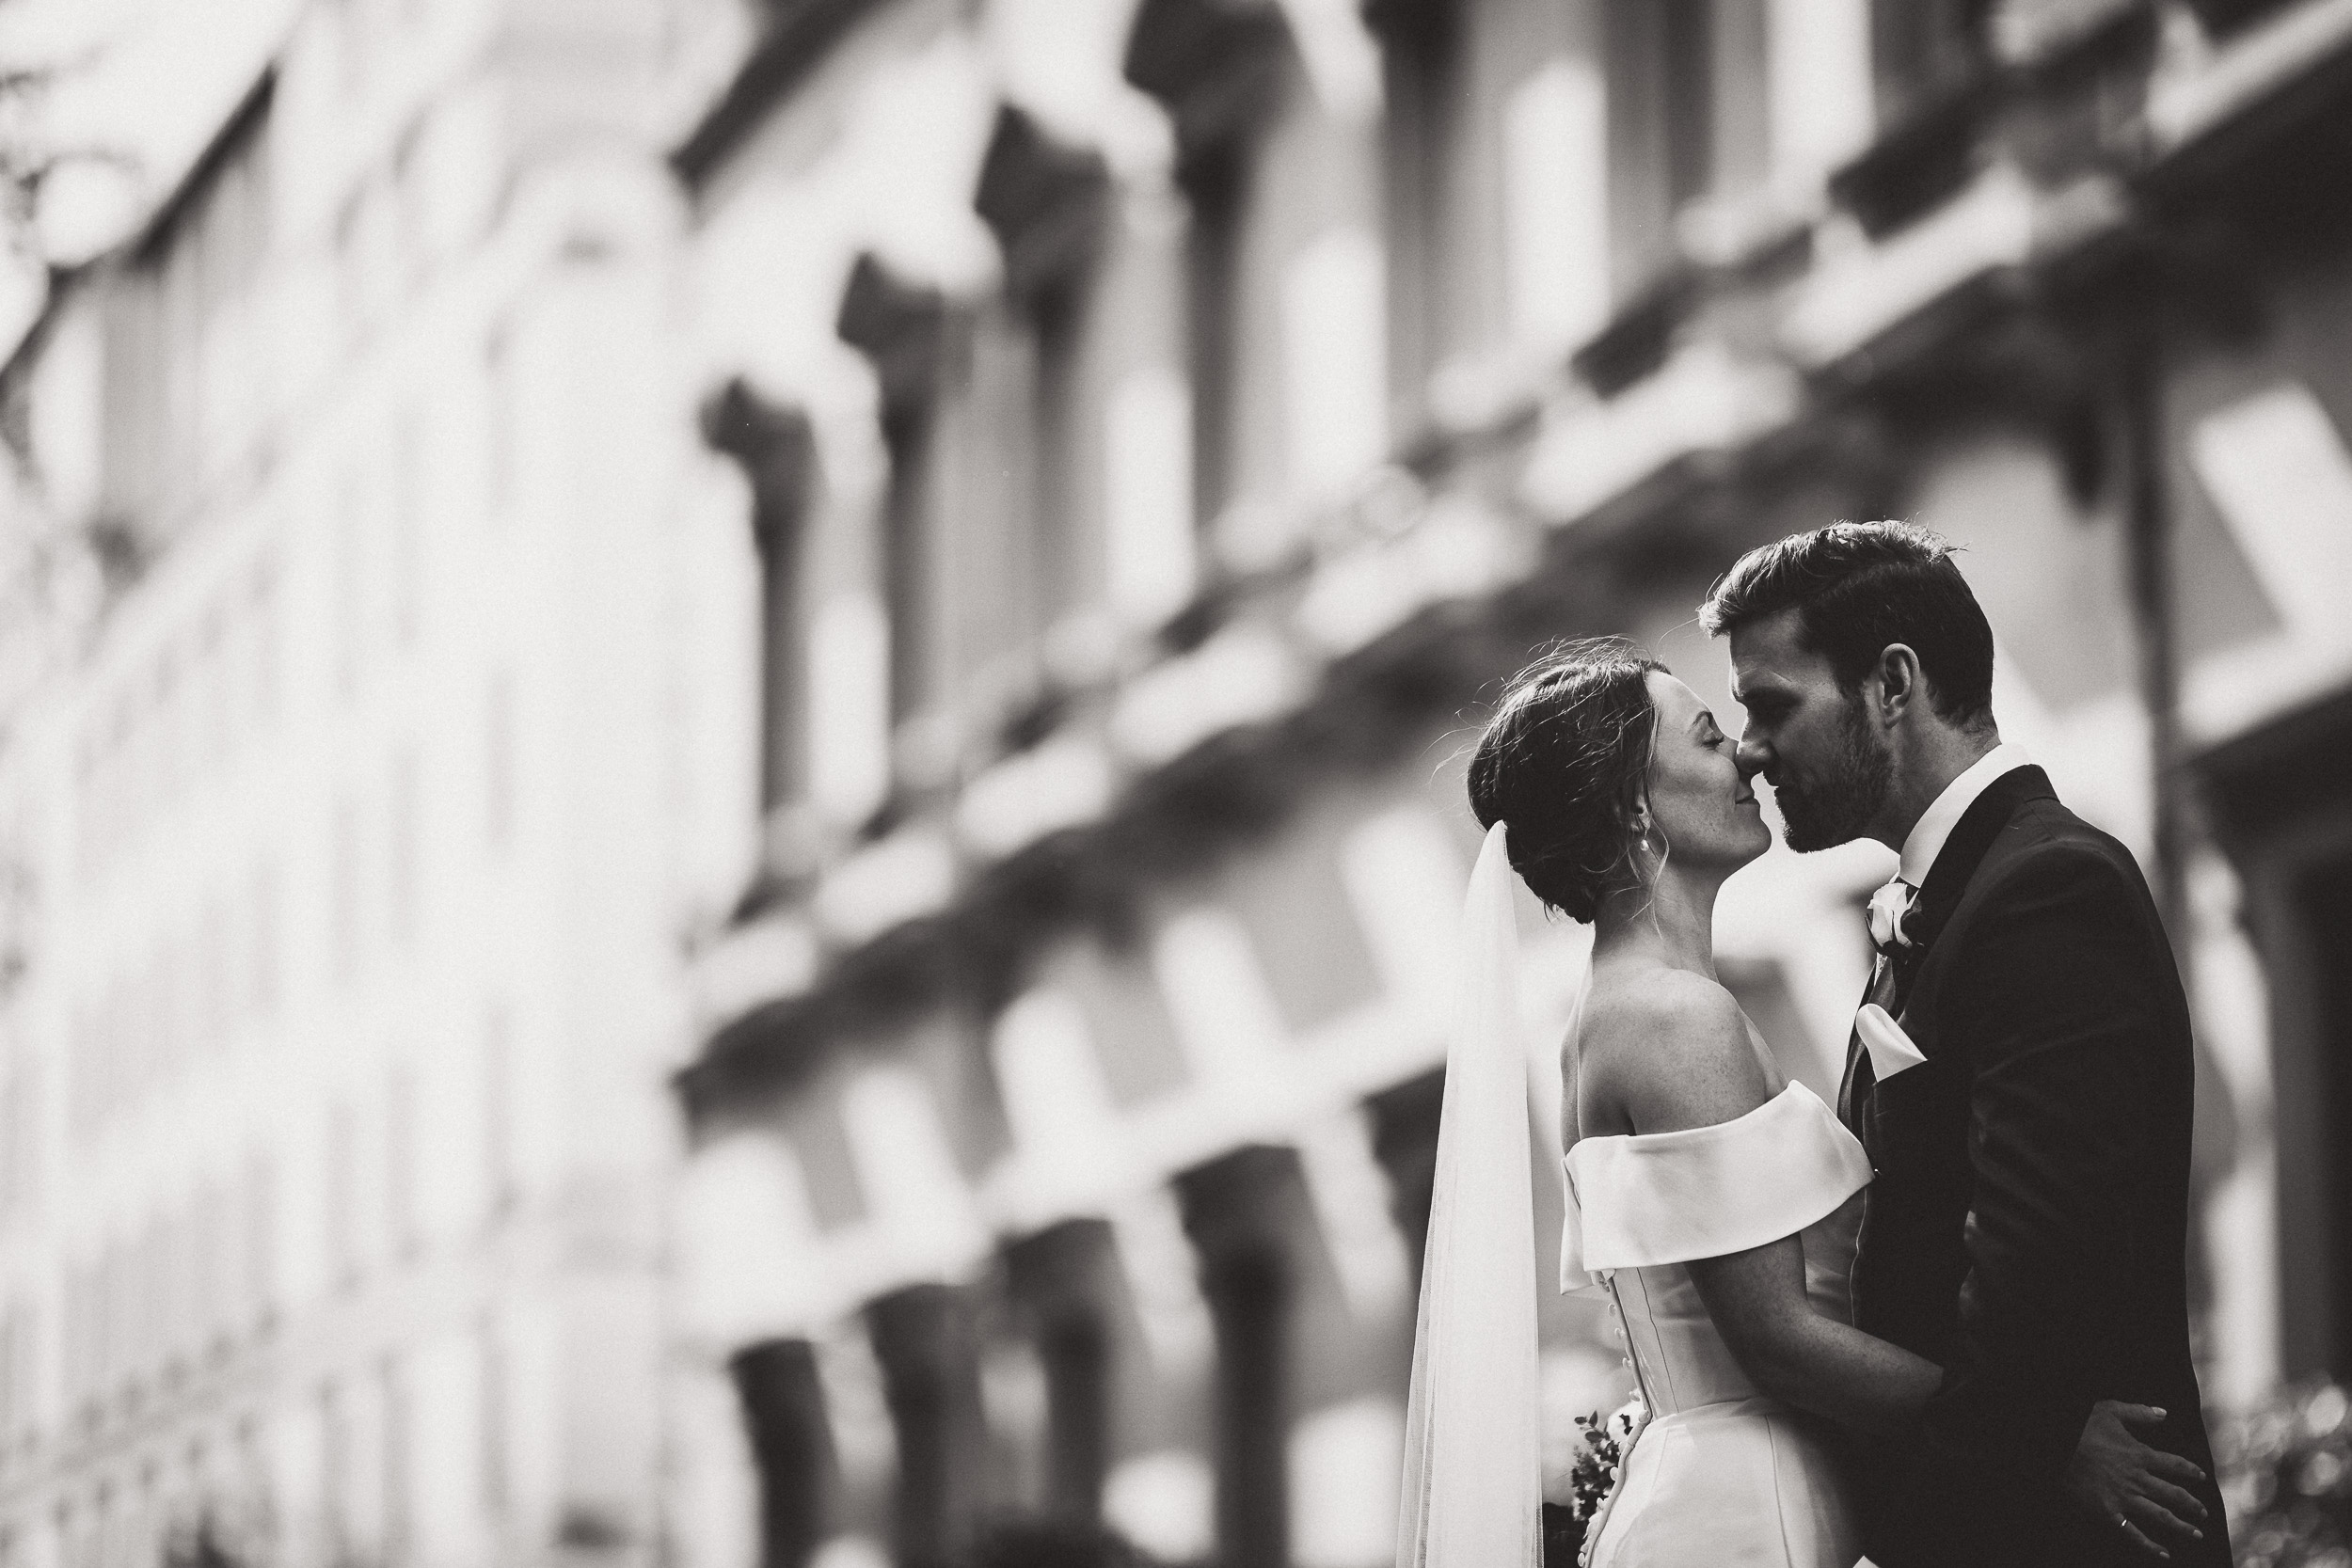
x=1694 y=1134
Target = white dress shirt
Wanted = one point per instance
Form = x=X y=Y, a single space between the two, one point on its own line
x=1936 y=824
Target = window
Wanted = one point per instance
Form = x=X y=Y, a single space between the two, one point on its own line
x=1819 y=79
x=909 y=569
x=218 y=722
x=1555 y=168
x=400 y=1162
x=342 y=858
x=167 y=727
x=165 y=1015
x=1689 y=118
x=1334 y=374
x=903 y=329
x=183 y=376
x=213 y=979
x=1284 y=179
x=210 y=1261
x=259 y=1246
x=263 y=611
x=1150 y=559
x=20 y=1371
x=350 y=580
x=1924 y=48
x=408 y=525
x=498 y=767
x=260 y=976
x=497 y=1486
x=398 y=1440
x=501 y=1182
x=335 y=1474
x=1214 y=181
x=405 y=850
x=1059 y=317
x=1051 y=205
x=1686 y=75
x=354 y=25
x=20 y=1142
x=341 y=1207
x=776 y=450
x=412 y=221
x=1423 y=74
x=499 y=428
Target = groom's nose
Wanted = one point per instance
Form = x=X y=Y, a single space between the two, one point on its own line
x=1752 y=757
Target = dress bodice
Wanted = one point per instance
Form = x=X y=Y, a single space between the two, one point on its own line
x=1641 y=1206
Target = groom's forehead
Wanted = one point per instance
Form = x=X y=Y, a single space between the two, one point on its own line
x=1773 y=652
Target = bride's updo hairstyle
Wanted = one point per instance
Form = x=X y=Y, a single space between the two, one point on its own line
x=1563 y=762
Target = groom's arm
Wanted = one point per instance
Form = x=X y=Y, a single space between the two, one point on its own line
x=2054 y=995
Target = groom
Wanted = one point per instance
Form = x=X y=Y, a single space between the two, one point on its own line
x=2023 y=1089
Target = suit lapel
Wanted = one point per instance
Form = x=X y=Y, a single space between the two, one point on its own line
x=1963 y=852
x=1972 y=836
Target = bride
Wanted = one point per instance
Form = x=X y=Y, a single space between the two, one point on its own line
x=1715 y=1202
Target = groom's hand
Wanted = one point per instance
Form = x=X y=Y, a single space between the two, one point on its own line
x=2137 y=1490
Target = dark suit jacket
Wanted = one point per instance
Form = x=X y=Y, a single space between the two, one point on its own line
x=2027 y=1225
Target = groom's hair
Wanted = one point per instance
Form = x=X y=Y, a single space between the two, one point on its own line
x=1856 y=588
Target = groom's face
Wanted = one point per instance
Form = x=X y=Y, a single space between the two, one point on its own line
x=1810 y=740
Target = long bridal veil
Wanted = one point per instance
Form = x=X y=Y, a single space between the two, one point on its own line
x=1473 y=1437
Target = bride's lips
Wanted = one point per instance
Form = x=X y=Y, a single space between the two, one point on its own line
x=1745 y=797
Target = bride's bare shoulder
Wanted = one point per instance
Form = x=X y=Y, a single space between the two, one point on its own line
x=1670 y=1049
x=1655 y=1003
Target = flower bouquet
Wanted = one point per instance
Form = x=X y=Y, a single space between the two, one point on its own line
x=1591 y=1481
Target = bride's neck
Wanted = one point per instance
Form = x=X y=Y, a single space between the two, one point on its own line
x=1671 y=921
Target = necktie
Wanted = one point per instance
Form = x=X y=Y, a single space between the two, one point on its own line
x=1890 y=906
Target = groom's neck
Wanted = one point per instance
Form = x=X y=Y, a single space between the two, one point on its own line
x=1925 y=763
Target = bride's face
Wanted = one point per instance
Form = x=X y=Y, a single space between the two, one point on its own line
x=1699 y=805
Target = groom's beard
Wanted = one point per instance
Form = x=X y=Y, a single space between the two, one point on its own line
x=1832 y=804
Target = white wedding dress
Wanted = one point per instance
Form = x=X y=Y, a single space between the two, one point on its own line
x=1720 y=1476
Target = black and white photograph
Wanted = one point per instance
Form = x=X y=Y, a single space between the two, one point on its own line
x=1175 y=783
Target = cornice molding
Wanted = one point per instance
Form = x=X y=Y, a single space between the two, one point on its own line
x=900 y=327
x=799 y=35
x=775 y=447
x=1045 y=202
x=1214 y=65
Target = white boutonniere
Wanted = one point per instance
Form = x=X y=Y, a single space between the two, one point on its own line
x=1890 y=914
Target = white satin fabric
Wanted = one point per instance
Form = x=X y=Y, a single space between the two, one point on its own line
x=1720 y=1475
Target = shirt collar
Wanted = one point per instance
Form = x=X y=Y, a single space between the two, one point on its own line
x=1936 y=823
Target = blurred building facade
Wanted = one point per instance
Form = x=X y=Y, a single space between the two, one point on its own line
x=930 y=565
x=338 y=832
x=1159 y=426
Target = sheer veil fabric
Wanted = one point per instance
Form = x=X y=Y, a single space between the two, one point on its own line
x=1473 y=1482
